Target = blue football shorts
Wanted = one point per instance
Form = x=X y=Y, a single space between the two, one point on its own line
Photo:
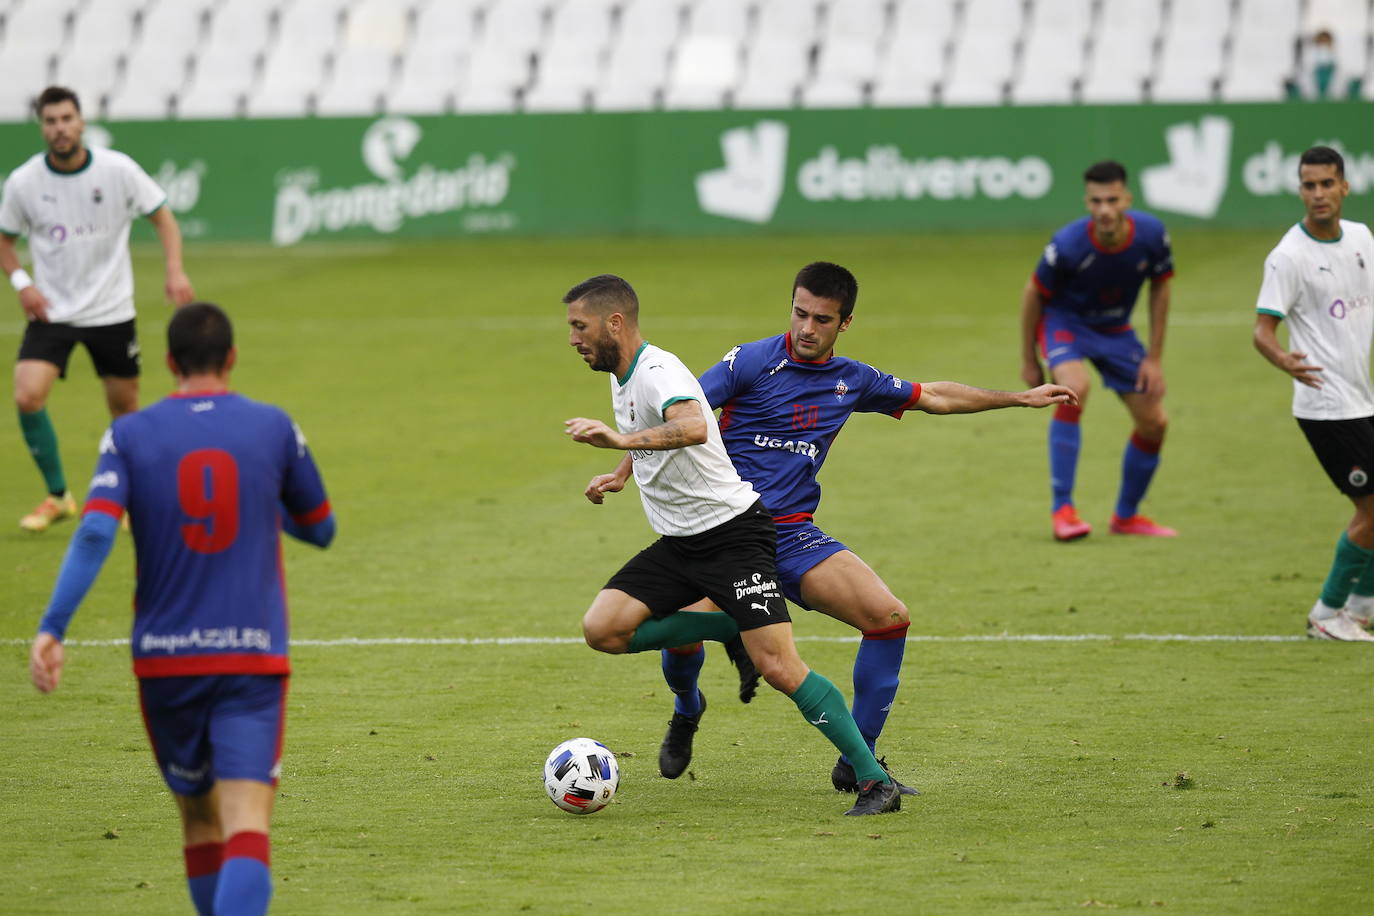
x=801 y=547
x=210 y=727
x=1115 y=351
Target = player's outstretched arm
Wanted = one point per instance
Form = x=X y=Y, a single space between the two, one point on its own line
x=1295 y=364
x=1032 y=306
x=953 y=397
x=613 y=482
x=89 y=547
x=178 y=288
x=684 y=424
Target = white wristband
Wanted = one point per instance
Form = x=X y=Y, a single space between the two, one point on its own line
x=20 y=280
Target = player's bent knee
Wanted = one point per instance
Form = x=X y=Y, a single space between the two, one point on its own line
x=603 y=637
x=29 y=401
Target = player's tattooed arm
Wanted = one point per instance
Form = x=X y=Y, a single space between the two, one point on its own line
x=953 y=397
x=684 y=425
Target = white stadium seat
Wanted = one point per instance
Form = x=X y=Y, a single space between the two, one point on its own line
x=633 y=78
x=381 y=24
x=289 y=82
x=774 y=69
x=1144 y=16
x=980 y=69
x=912 y=66
x=221 y=78
x=104 y=28
x=429 y=81
x=29 y=71
x=309 y=27
x=865 y=19
x=728 y=18
x=1189 y=64
x=358 y=83
x=649 y=24
x=447 y=25
x=1119 y=63
x=1052 y=62
x=1261 y=60
x=514 y=24
x=792 y=20
x=704 y=67
x=584 y=21
x=495 y=74
x=173 y=24
x=246 y=23
x=92 y=77
x=923 y=17
x=42 y=24
x=846 y=68
x=565 y=75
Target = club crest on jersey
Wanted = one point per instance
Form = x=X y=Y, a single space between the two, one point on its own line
x=632 y=411
x=841 y=389
x=1360 y=259
x=96 y=196
x=1358 y=477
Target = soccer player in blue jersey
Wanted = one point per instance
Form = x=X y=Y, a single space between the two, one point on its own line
x=1076 y=308
x=782 y=402
x=209 y=479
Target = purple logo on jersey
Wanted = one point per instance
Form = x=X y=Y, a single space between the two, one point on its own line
x=840 y=390
x=58 y=233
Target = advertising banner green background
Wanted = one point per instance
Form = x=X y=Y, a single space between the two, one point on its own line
x=724 y=172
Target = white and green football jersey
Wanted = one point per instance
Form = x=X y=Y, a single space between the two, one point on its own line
x=1324 y=291
x=684 y=490
x=78 y=229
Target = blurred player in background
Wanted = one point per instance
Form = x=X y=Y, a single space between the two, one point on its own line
x=716 y=539
x=1076 y=308
x=783 y=400
x=209 y=479
x=76 y=206
x=1319 y=280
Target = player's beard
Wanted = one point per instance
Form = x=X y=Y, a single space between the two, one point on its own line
x=605 y=353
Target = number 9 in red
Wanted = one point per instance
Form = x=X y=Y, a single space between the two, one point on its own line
x=208 y=489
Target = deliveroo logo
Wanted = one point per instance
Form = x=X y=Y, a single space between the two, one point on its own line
x=750 y=184
x=1193 y=181
x=303 y=208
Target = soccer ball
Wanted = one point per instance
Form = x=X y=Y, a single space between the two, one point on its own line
x=581 y=775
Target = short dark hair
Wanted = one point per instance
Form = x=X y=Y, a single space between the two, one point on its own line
x=829 y=281
x=604 y=294
x=1322 y=155
x=199 y=337
x=52 y=96
x=1105 y=172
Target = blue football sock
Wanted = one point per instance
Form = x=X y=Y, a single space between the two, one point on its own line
x=1066 y=438
x=245 y=879
x=680 y=670
x=202 y=874
x=1137 y=469
x=877 y=671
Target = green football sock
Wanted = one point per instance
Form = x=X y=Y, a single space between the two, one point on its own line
x=825 y=708
x=1348 y=567
x=683 y=629
x=42 y=442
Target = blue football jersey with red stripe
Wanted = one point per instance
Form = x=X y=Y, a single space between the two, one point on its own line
x=205 y=479
x=780 y=414
x=1098 y=286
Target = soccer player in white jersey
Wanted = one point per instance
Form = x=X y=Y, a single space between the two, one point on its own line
x=1319 y=280
x=75 y=205
x=716 y=539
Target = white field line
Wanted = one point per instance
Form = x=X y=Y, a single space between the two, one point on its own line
x=347 y=642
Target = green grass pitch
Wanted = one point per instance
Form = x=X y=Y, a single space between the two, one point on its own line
x=433 y=378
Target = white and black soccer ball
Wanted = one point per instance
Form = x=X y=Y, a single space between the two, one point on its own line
x=581 y=775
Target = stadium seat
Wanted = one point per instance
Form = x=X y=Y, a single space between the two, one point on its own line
x=1052 y=62
x=633 y=78
x=153 y=81
x=1119 y=63
x=704 y=68
x=221 y=77
x=587 y=22
x=649 y=25
x=450 y=25
x=935 y=18
x=1278 y=15
x=515 y=25
x=986 y=17
x=104 y=29
x=1351 y=17
x=289 y=82
x=430 y=78
x=92 y=77
x=863 y=19
x=1261 y=60
x=718 y=17
x=42 y=24
x=1189 y=63
x=910 y=69
x=496 y=74
x=309 y=27
x=377 y=24
x=774 y=70
x=1143 y=16
x=794 y=20
x=172 y=24
x=565 y=74
x=981 y=68
x=846 y=68
x=18 y=92
x=245 y=23
x=358 y=83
